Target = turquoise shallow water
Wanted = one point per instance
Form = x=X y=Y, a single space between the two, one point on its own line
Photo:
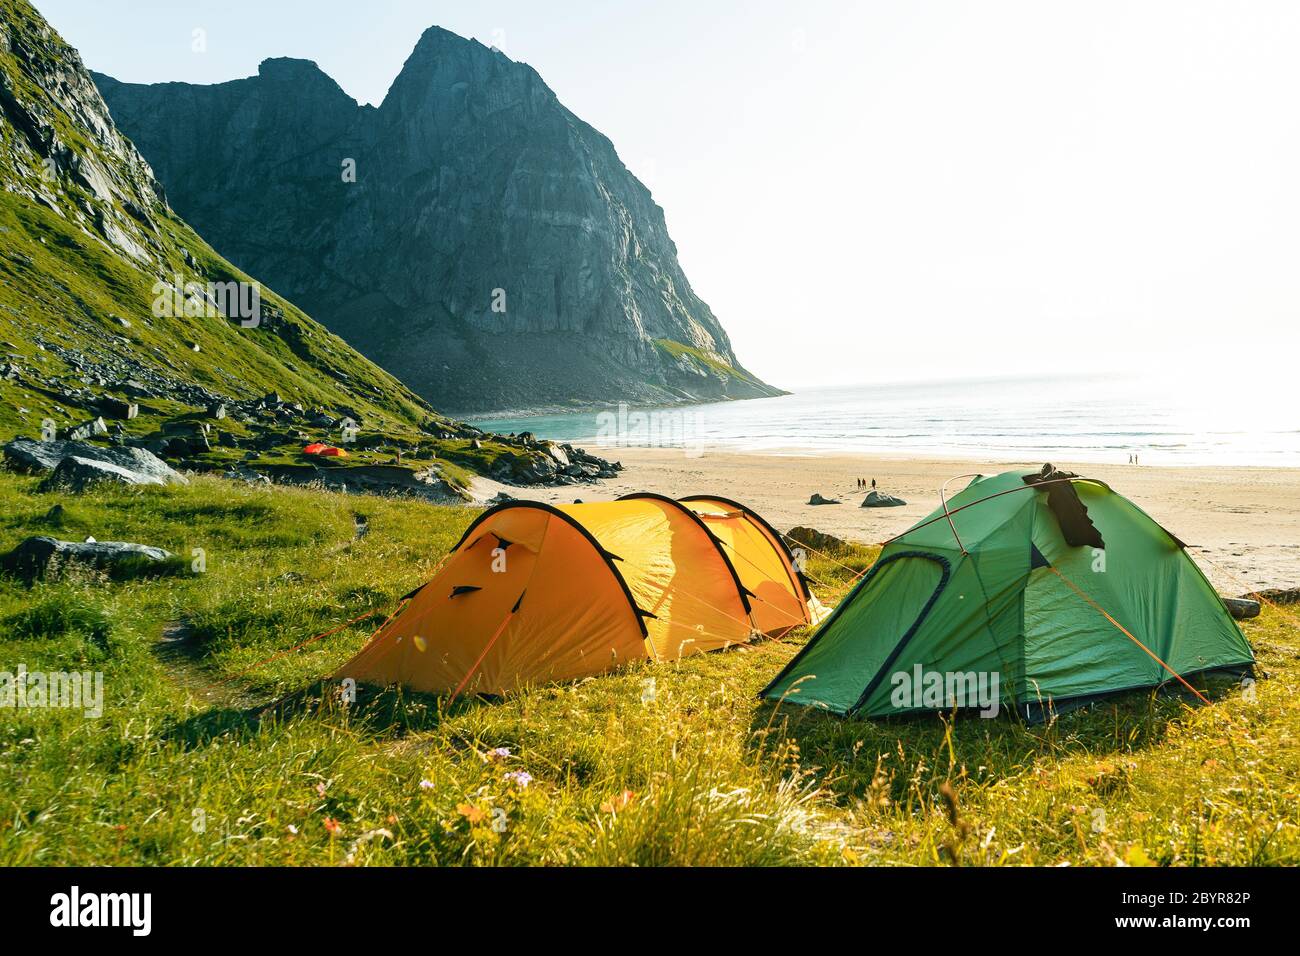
x=1079 y=419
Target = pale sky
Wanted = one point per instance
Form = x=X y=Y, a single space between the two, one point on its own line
x=873 y=191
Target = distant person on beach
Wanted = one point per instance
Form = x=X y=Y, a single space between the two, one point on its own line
x=873 y=484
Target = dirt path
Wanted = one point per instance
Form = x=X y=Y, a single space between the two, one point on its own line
x=179 y=652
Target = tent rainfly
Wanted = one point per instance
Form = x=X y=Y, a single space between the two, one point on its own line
x=1048 y=588
x=535 y=593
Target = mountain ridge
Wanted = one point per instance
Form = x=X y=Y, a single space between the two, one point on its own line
x=493 y=251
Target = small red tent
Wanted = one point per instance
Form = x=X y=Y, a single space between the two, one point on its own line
x=325 y=451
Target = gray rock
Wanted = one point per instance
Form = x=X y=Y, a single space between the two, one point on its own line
x=246 y=475
x=877 y=499
x=817 y=499
x=35 y=556
x=90 y=429
x=814 y=539
x=1242 y=608
x=77 y=474
x=25 y=454
x=557 y=453
x=117 y=408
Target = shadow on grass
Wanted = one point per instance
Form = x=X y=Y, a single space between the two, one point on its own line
x=932 y=746
x=378 y=715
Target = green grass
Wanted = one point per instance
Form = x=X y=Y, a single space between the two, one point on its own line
x=209 y=753
x=707 y=362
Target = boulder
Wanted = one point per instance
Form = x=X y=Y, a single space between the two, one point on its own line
x=817 y=540
x=817 y=499
x=34 y=556
x=76 y=474
x=557 y=453
x=246 y=475
x=26 y=454
x=117 y=408
x=90 y=429
x=879 y=499
x=1242 y=608
x=1280 y=595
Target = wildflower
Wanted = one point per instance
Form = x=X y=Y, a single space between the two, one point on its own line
x=320 y=789
x=426 y=784
x=621 y=802
x=332 y=826
x=520 y=778
x=293 y=830
x=470 y=812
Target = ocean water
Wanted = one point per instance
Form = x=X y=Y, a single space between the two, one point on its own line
x=1093 y=419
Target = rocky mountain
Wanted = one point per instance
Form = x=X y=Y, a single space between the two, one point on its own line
x=471 y=234
x=120 y=326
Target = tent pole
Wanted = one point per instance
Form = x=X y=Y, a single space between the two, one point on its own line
x=943 y=500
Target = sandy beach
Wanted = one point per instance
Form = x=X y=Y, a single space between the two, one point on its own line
x=1242 y=524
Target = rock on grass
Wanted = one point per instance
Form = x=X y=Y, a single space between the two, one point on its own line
x=37 y=556
x=77 y=474
x=26 y=454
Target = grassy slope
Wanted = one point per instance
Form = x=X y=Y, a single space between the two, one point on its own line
x=64 y=284
x=705 y=361
x=702 y=774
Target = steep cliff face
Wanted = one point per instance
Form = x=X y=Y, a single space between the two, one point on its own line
x=491 y=249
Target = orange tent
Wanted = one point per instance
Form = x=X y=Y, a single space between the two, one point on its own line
x=765 y=565
x=325 y=451
x=534 y=593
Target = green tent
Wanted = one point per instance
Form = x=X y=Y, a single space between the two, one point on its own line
x=1024 y=590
